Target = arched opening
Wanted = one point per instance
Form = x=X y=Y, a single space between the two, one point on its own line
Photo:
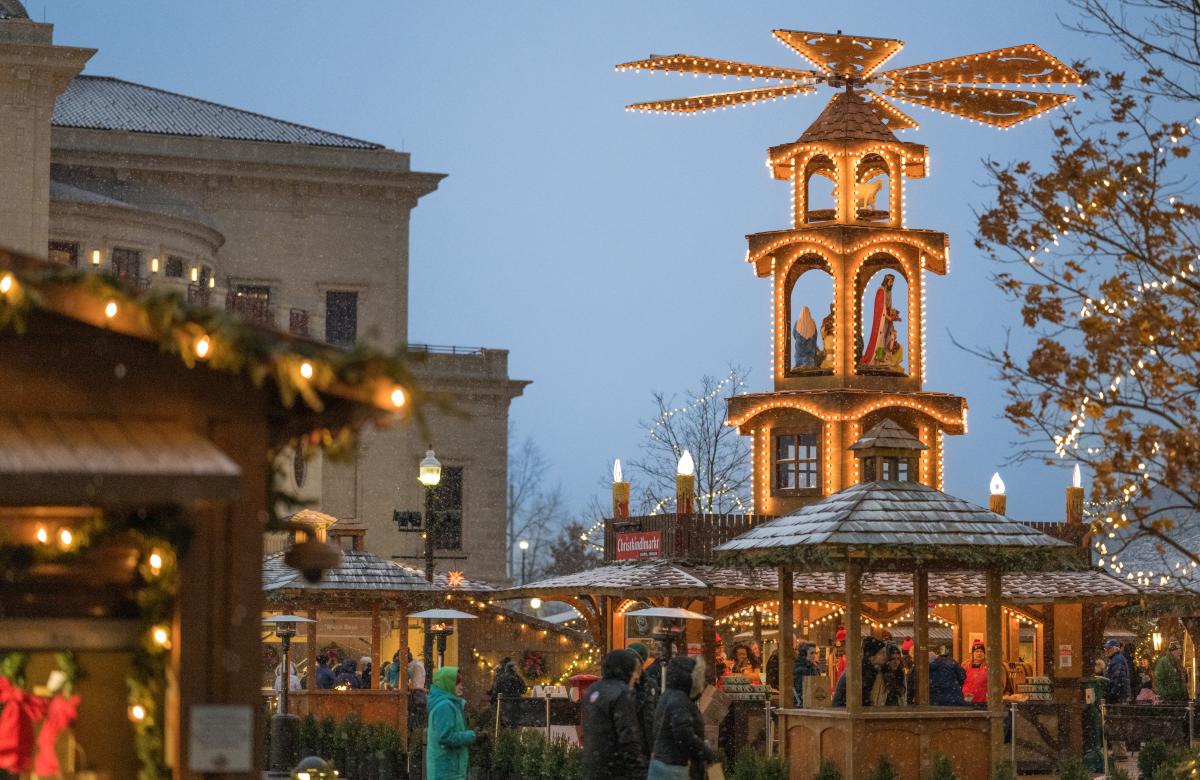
x=872 y=189
x=881 y=342
x=809 y=342
x=820 y=186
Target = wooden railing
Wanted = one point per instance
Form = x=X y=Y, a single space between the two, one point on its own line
x=691 y=537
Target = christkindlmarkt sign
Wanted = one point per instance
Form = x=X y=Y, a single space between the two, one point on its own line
x=641 y=544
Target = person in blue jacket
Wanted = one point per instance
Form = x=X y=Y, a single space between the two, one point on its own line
x=946 y=678
x=447 y=738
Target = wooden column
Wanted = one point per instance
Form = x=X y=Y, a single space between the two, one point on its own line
x=921 y=634
x=786 y=649
x=708 y=638
x=402 y=621
x=375 y=645
x=311 y=628
x=757 y=629
x=995 y=680
x=854 y=659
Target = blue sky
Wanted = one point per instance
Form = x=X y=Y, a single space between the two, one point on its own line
x=604 y=249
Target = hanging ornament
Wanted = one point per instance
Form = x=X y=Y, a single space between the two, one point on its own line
x=21 y=710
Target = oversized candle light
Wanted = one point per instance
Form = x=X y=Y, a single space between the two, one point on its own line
x=685 y=484
x=620 y=492
x=998 y=502
x=1075 y=499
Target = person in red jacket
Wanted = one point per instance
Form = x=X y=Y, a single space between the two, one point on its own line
x=976 y=686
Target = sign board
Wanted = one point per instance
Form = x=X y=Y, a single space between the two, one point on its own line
x=220 y=738
x=639 y=544
x=1065 y=656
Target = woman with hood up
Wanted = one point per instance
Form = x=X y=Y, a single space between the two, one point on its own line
x=805 y=666
x=680 y=752
x=447 y=738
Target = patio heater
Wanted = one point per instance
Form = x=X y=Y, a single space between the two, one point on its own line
x=285 y=727
x=440 y=629
x=667 y=638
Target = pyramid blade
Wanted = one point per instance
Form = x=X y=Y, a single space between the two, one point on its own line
x=698 y=103
x=687 y=63
x=1027 y=64
x=997 y=107
x=891 y=116
x=847 y=55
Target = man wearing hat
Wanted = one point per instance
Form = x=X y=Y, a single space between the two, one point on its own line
x=1169 y=678
x=874 y=688
x=1117 y=672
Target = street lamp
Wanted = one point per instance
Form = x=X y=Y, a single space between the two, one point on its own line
x=429 y=474
x=285 y=727
x=524 y=545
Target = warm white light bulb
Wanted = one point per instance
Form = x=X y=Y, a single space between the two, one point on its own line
x=535 y=603
x=617 y=470
x=687 y=466
x=997 y=485
x=203 y=347
x=110 y=309
x=6 y=283
x=524 y=545
x=306 y=370
x=398 y=398
x=1076 y=479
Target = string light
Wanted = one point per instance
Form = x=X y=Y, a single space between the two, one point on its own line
x=110 y=310
x=6 y=283
x=202 y=347
x=306 y=370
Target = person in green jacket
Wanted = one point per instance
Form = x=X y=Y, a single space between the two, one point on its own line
x=447 y=737
x=1168 y=675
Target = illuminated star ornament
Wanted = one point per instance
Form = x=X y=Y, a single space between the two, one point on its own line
x=969 y=86
x=455 y=578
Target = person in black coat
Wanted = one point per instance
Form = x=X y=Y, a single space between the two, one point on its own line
x=612 y=735
x=347 y=676
x=678 y=726
x=946 y=678
x=646 y=692
x=325 y=675
x=805 y=666
x=874 y=655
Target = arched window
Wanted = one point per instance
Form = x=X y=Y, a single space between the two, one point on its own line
x=882 y=339
x=872 y=189
x=809 y=339
x=820 y=184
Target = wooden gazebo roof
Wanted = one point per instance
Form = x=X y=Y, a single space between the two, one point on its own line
x=361 y=578
x=898 y=521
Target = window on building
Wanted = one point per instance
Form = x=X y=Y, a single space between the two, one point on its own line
x=64 y=253
x=252 y=302
x=797 y=462
x=174 y=267
x=888 y=469
x=126 y=263
x=341 y=317
x=205 y=274
x=443 y=507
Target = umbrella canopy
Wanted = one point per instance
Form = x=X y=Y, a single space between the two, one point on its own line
x=667 y=612
x=442 y=614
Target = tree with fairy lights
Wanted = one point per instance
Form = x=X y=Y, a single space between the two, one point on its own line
x=1099 y=248
x=698 y=425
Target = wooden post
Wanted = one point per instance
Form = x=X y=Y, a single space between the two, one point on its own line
x=757 y=629
x=921 y=634
x=708 y=637
x=786 y=651
x=402 y=620
x=375 y=646
x=854 y=660
x=995 y=678
x=311 y=628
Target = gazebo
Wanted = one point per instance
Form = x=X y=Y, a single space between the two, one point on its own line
x=884 y=525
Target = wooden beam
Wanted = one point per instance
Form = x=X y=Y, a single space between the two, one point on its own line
x=854 y=659
x=375 y=646
x=786 y=651
x=402 y=619
x=921 y=634
x=995 y=661
x=311 y=639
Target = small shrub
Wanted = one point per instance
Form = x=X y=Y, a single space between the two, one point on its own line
x=505 y=754
x=310 y=734
x=943 y=767
x=1073 y=769
x=326 y=737
x=1155 y=754
x=1117 y=773
x=1181 y=764
x=884 y=770
x=1004 y=771
x=828 y=771
x=746 y=766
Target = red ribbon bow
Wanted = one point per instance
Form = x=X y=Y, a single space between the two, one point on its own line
x=59 y=715
x=21 y=710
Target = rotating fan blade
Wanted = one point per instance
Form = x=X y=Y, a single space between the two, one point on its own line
x=1028 y=64
x=997 y=107
x=891 y=116
x=687 y=63
x=719 y=100
x=847 y=55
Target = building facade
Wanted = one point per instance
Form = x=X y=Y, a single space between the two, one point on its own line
x=286 y=225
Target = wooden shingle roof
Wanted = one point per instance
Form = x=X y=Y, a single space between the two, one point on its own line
x=888 y=435
x=848 y=117
x=360 y=572
x=896 y=520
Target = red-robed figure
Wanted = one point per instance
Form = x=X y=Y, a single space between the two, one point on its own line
x=883 y=349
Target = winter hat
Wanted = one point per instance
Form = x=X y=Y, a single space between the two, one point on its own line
x=871 y=646
x=907 y=646
x=640 y=649
x=619 y=665
x=1111 y=643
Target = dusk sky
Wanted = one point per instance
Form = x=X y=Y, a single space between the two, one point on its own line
x=606 y=250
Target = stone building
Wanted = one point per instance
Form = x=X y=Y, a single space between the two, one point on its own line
x=286 y=225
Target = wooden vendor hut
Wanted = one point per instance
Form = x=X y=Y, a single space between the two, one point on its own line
x=136 y=437
x=365 y=595
x=882 y=526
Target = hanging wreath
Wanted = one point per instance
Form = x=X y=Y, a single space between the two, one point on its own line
x=23 y=709
x=533 y=665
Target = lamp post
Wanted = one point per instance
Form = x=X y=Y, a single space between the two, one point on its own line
x=524 y=545
x=429 y=474
x=285 y=727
